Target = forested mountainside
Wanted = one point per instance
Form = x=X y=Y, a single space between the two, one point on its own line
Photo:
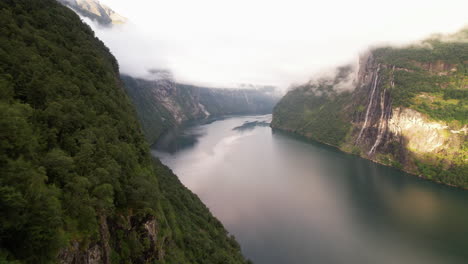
x=405 y=107
x=94 y=10
x=163 y=104
x=77 y=182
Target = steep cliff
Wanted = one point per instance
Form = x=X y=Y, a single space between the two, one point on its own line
x=404 y=107
x=163 y=104
x=77 y=182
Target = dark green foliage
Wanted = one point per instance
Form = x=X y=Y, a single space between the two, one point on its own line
x=455 y=175
x=314 y=111
x=73 y=160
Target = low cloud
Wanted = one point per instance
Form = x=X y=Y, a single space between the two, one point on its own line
x=341 y=79
x=225 y=44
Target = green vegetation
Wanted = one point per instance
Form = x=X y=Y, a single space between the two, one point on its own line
x=431 y=69
x=452 y=51
x=441 y=107
x=74 y=166
x=454 y=175
x=314 y=111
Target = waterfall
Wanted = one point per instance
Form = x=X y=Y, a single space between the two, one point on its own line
x=246 y=98
x=383 y=115
x=371 y=101
x=380 y=130
x=392 y=79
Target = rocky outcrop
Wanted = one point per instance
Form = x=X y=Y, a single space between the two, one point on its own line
x=439 y=67
x=74 y=254
x=422 y=135
x=167 y=93
x=105 y=251
x=100 y=253
x=94 y=10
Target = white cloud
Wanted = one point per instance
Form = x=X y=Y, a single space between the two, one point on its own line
x=224 y=43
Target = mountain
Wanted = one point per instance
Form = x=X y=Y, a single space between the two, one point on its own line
x=163 y=104
x=404 y=107
x=94 y=10
x=78 y=184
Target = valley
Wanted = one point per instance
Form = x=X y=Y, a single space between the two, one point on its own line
x=111 y=152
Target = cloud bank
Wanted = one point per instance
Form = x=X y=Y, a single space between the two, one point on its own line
x=228 y=43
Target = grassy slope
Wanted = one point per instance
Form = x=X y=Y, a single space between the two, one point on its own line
x=72 y=153
x=440 y=93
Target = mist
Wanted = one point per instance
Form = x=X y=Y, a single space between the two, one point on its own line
x=279 y=43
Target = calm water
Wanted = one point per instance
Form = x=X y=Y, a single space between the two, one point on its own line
x=291 y=201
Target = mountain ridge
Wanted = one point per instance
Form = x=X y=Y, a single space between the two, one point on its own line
x=164 y=104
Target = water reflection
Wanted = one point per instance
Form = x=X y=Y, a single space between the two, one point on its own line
x=291 y=201
x=178 y=139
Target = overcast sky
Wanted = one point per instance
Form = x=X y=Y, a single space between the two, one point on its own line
x=266 y=42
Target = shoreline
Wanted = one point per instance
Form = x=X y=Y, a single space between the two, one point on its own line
x=372 y=160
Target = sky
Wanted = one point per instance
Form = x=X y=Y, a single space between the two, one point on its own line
x=222 y=43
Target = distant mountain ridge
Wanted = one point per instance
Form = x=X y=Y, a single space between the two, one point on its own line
x=163 y=104
x=94 y=10
x=407 y=107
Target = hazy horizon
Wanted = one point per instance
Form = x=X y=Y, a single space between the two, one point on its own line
x=261 y=42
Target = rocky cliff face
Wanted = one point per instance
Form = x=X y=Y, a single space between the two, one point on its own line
x=163 y=104
x=423 y=136
x=398 y=134
x=100 y=252
x=93 y=9
x=408 y=109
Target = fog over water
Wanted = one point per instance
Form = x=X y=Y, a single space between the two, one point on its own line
x=291 y=201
